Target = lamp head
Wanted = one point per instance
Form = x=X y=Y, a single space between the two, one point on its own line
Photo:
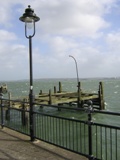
x=29 y=16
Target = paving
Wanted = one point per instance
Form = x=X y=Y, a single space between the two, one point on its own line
x=16 y=146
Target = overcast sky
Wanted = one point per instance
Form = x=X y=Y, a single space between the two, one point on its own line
x=89 y=30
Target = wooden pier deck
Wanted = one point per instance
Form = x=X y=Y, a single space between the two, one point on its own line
x=61 y=97
x=79 y=97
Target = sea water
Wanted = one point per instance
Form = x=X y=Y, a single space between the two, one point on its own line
x=111 y=87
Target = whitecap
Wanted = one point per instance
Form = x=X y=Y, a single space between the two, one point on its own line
x=105 y=103
x=73 y=117
x=116 y=92
x=24 y=91
x=94 y=119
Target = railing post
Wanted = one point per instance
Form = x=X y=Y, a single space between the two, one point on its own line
x=7 y=113
x=2 y=119
x=90 y=123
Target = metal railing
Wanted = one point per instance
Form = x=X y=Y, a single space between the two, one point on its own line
x=89 y=138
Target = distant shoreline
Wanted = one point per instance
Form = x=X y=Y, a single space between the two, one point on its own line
x=59 y=79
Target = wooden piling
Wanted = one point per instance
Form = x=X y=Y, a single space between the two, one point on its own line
x=50 y=97
x=60 y=87
x=101 y=88
x=55 y=89
x=40 y=92
x=25 y=114
x=101 y=95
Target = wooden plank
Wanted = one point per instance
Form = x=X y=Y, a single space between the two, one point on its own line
x=89 y=97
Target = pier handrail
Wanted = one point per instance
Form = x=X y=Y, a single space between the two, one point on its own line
x=63 y=131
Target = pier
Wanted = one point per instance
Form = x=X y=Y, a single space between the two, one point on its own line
x=80 y=97
x=61 y=98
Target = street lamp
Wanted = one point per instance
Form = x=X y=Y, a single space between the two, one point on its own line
x=76 y=68
x=29 y=18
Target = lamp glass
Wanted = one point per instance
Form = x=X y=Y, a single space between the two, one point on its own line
x=29 y=22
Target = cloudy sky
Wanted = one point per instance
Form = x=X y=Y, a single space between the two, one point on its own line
x=89 y=30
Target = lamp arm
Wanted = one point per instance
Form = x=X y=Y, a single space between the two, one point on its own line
x=76 y=67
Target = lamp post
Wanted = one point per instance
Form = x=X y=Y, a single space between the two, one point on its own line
x=76 y=68
x=29 y=18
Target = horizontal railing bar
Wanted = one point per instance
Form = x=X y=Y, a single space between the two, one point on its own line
x=108 y=112
x=106 y=125
x=59 y=117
